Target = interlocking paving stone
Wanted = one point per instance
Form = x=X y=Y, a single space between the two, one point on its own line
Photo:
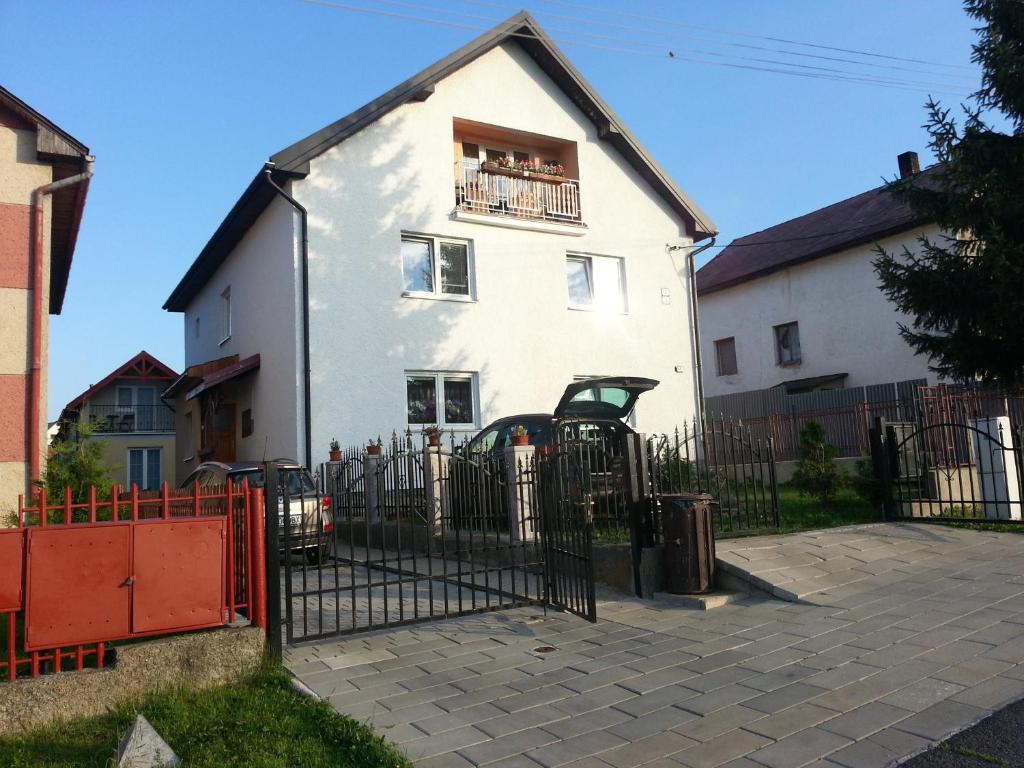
x=863 y=721
x=942 y=621
x=721 y=749
x=799 y=749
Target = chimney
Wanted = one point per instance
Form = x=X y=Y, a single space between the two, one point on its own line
x=908 y=164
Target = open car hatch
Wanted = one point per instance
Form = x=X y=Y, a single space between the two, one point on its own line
x=607 y=397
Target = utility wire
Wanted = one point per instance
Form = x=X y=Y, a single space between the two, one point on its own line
x=792 y=69
x=747 y=46
x=661 y=20
x=606 y=38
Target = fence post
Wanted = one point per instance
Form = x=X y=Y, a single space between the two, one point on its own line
x=520 y=482
x=641 y=495
x=371 y=462
x=436 y=483
x=271 y=517
x=257 y=576
x=880 y=460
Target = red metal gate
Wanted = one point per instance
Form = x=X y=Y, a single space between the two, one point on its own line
x=74 y=577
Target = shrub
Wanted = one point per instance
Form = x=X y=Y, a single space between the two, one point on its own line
x=816 y=472
x=77 y=463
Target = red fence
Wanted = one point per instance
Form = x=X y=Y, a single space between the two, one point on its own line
x=77 y=576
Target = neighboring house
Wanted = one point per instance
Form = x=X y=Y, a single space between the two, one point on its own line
x=126 y=413
x=798 y=305
x=44 y=175
x=445 y=284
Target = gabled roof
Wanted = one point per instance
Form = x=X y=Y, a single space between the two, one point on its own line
x=67 y=155
x=863 y=218
x=143 y=366
x=293 y=161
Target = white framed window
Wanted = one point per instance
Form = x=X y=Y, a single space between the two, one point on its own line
x=787 y=344
x=725 y=356
x=596 y=283
x=445 y=398
x=225 y=315
x=437 y=267
x=144 y=468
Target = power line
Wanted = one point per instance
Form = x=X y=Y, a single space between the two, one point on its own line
x=786 y=41
x=746 y=46
x=864 y=77
x=791 y=69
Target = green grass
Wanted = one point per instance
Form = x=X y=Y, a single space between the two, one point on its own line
x=259 y=722
x=799 y=513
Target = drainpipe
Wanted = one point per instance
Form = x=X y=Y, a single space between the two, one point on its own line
x=38 y=258
x=695 y=321
x=691 y=259
x=305 y=312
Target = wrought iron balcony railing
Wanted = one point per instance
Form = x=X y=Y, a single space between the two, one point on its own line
x=524 y=196
x=130 y=418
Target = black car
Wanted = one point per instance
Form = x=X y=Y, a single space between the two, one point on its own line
x=585 y=434
x=590 y=410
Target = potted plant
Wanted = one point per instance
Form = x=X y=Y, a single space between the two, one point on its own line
x=433 y=434
x=519 y=436
x=373 y=447
x=335 y=449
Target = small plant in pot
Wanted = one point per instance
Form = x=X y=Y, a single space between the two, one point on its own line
x=335 y=450
x=373 y=447
x=433 y=434
x=519 y=436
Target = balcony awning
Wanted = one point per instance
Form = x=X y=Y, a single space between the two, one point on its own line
x=224 y=375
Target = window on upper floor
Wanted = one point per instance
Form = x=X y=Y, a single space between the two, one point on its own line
x=787 y=344
x=225 y=315
x=437 y=267
x=725 y=356
x=447 y=399
x=596 y=283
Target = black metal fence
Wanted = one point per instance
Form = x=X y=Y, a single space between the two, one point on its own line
x=723 y=459
x=968 y=469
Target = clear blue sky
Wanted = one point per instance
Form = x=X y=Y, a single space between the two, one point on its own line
x=181 y=102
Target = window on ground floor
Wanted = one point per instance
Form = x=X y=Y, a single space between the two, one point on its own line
x=447 y=399
x=144 y=468
x=725 y=356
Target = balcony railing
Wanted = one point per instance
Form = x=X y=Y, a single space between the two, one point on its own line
x=508 y=193
x=130 y=418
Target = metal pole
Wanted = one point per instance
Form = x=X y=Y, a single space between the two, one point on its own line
x=273 y=560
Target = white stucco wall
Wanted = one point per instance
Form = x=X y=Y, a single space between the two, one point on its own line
x=519 y=335
x=262 y=273
x=847 y=325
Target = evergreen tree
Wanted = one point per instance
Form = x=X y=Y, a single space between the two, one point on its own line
x=816 y=472
x=965 y=290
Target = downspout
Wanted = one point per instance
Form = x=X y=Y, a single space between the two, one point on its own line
x=307 y=408
x=695 y=321
x=38 y=260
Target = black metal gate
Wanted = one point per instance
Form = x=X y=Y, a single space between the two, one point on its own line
x=969 y=469
x=417 y=533
x=722 y=459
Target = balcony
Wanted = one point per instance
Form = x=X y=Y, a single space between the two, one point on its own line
x=519 y=194
x=120 y=419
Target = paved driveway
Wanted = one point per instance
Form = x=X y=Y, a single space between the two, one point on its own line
x=924 y=638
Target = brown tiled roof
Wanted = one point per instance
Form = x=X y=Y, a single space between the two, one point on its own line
x=864 y=218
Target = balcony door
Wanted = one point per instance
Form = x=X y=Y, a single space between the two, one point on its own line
x=136 y=404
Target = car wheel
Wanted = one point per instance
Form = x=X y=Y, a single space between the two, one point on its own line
x=318 y=555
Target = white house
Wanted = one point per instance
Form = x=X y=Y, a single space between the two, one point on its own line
x=457 y=250
x=798 y=305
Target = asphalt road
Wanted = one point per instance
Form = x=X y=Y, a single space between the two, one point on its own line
x=997 y=741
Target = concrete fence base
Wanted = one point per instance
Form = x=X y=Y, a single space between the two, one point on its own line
x=196 y=660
